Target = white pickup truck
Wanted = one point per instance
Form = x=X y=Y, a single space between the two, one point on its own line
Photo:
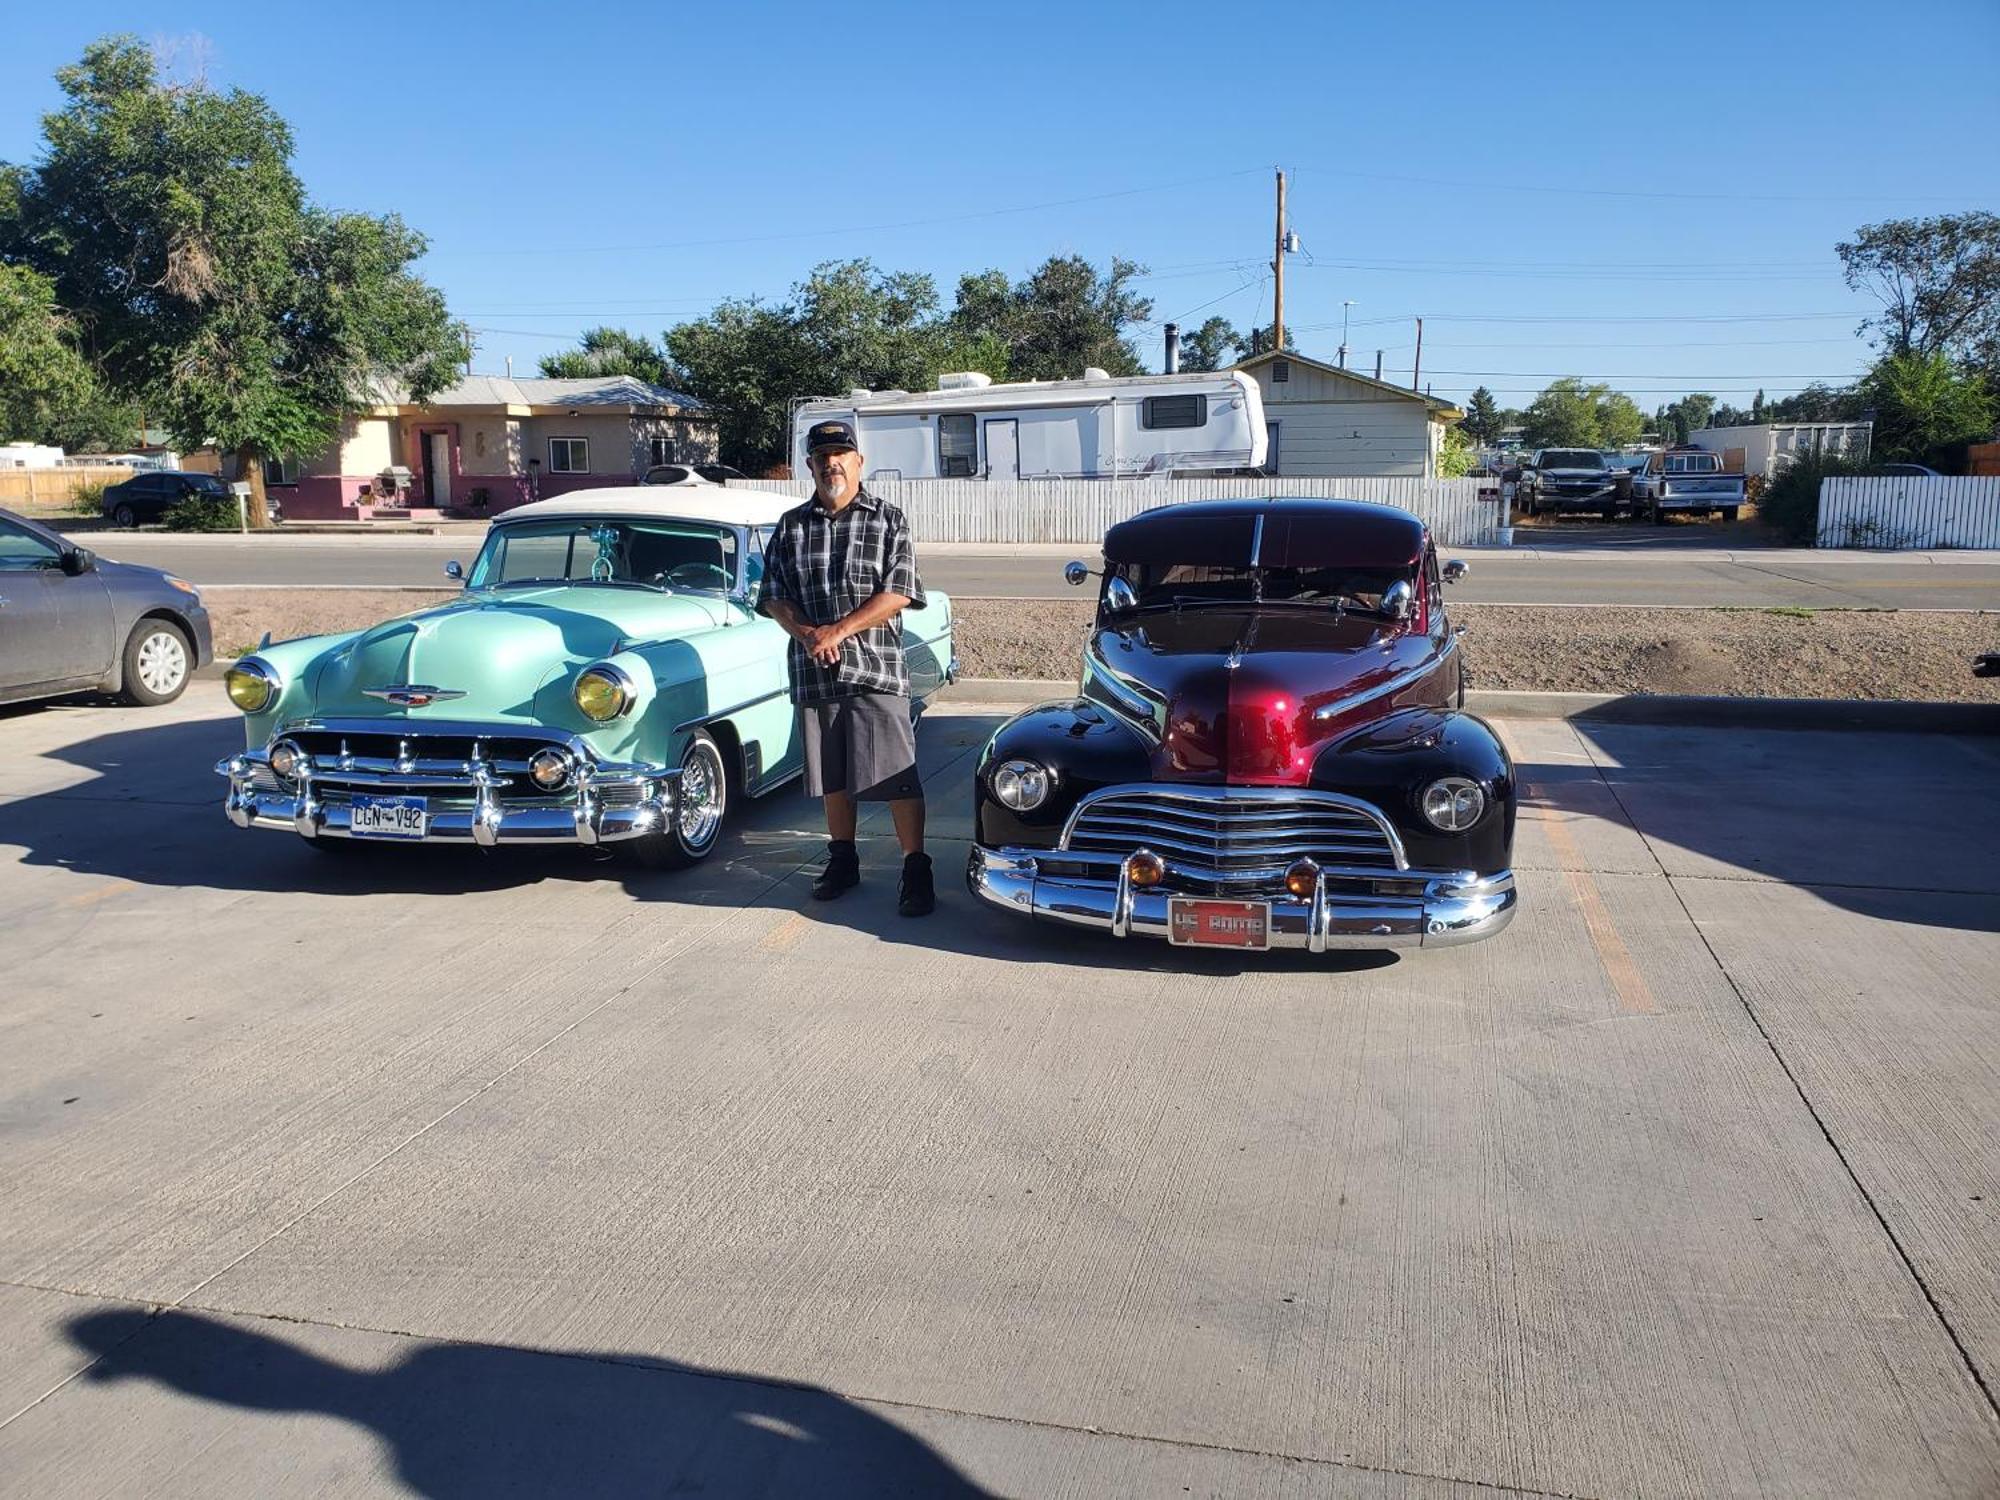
x=1688 y=480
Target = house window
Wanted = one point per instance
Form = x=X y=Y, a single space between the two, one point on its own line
x=1281 y=369
x=958 y=446
x=1173 y=411
x=661 y=450
x=281 y=471
x=569 y=456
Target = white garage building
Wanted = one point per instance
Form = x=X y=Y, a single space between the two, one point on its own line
x=1321 y=420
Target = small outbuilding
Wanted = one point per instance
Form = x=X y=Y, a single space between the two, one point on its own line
x=1323 y=421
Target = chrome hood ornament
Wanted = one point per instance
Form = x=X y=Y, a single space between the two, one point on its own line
x=413 y=694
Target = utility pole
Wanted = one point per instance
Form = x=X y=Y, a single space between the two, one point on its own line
x=1278 y=272
x=1417 y=369
x=1343 y=331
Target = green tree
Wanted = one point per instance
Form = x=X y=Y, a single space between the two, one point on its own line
x=1210 y=346
x=1619 y=420
x=1939 y=283
x=1818 y=402
x=1065 y=317
x=1689 y=414
x=1455 y=453
x=1258 y=341
x=1925 y=406
x=612 y=351
x=1758 y=409
x=1564 y=415
x=205 y=285
x=43 y=379
x=1482 y=417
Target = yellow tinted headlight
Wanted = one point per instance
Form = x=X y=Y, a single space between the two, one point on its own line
x=250 y=687
x=601 y=695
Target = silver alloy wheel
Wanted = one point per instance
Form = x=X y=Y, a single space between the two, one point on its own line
x=163 y=662
x=703 y=790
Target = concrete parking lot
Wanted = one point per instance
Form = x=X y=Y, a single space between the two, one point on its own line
x=536 y=1173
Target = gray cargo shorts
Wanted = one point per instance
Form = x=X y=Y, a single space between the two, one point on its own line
x=864 y=746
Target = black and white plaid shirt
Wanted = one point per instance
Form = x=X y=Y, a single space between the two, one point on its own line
x=828 y=566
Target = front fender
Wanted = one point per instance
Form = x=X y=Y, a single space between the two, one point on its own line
x=1084 y=747
x=1390 y=762
x=296 y=664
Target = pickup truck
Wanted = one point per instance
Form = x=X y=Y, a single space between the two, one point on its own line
x=1569 y=479
x=1688 y=480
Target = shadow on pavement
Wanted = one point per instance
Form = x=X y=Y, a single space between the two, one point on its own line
x=474 y=1421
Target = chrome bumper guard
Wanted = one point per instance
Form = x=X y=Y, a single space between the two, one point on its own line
x=1455 y=907
x=603 y=802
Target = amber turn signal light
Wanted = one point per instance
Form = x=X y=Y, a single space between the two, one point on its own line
x=1145 y=868
x=1302 y=879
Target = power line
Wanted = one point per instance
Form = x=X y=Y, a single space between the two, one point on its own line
x=815 y=234
x=1595 y=192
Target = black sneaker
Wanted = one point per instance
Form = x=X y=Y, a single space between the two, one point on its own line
x=917 y=896
x=842 y=872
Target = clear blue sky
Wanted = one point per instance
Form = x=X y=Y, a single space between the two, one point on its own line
x=1647 y=196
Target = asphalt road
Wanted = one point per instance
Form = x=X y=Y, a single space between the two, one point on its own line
x=1556 y=570
x=421 y=1171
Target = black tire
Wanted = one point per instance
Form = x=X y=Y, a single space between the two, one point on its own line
x=122 y=514
x=1655 y=516
x=701 y=802
x=159 y=660
x=1729 y=512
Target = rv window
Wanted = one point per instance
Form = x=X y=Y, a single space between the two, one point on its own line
x=1174 y=411
x=958 y=446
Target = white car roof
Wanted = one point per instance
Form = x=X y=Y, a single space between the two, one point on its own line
x=719 y=504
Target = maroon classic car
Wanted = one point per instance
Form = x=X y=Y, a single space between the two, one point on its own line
x=1268 y=749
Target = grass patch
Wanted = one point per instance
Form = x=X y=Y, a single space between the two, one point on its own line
x=1790 y=611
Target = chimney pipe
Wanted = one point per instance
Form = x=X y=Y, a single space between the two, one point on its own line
x=1378 y=364
x=510 y=367
x=1173 y=348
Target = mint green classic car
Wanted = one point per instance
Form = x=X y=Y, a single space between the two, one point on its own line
x=603 y=680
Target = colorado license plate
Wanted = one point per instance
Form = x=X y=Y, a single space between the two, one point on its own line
x=390 y=817
x=1219 y=924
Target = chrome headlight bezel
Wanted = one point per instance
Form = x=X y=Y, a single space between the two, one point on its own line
x=548 y=755
x=1453 y=804
x=618 y=680
x=251 y=667
x=1021 y=785
x=291 y=755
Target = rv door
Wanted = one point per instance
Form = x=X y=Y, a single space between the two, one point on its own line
x=1003 y=449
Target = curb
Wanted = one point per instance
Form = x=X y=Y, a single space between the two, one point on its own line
x=1662 y=709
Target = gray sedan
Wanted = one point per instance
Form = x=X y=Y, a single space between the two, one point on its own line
x=72 y=622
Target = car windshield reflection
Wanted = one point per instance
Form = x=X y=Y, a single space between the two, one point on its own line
x=1199 y=585
x=678 y=556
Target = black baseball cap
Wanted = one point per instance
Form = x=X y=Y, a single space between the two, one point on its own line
x=830 y=435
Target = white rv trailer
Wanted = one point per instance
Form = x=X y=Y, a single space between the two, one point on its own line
x=1094 y=428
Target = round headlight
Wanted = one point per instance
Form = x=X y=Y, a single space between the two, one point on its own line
x=1454 y=803
x=602 y=694
x=251 y=686
x=284 y=758
x=549 y=769
x=1021 y=785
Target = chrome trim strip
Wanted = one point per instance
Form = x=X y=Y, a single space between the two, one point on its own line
x=1129 y=699
x=1390 y=688
x=413 y=694
x=714 y=714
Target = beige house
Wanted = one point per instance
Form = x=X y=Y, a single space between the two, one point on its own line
x=1321 y=420
x=492 y=442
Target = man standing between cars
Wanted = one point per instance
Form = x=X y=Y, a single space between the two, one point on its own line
x=839 y=570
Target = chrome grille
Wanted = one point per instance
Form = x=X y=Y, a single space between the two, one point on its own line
x=1235 y=833
x=419 y=762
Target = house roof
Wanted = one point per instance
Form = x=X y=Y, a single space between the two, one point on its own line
x=1438 y=408
x=604 y=392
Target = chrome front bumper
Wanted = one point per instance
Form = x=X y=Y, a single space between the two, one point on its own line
x=1455 y=907
x=603 y=803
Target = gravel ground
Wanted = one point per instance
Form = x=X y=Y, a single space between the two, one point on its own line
x=1920 y=654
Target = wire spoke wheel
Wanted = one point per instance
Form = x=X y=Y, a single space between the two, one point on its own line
x=699 y=806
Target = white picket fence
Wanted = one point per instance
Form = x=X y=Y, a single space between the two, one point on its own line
x=1899 y=513
x=1080 y=511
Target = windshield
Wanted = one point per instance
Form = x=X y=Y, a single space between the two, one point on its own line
x=1572 y=458
x=1186 y=585
x=652 y=554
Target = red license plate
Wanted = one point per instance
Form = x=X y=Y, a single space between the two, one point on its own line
x=1219 y=924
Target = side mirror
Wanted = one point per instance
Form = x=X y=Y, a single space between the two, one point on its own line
x=455 y=571
x=1455 y=570
x=1075 y=573
x=753 y=574
x=78 y=560
x=1398 y=599
x=1118 y=596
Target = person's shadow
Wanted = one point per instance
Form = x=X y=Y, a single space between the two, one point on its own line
x=466 y=1420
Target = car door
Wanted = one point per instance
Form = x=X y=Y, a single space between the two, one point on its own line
x=31 y=634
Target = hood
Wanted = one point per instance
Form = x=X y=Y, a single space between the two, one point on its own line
x=1250 y=696
x=497 y=647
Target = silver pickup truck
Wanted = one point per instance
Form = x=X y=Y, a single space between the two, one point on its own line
x=1690 y=480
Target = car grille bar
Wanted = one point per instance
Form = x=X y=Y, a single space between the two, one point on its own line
x=420 y=759
x=1217 y=833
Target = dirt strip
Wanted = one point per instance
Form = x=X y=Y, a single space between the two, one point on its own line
x=1782 y=653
